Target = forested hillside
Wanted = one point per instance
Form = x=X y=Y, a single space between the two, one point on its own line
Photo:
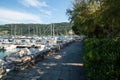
x=35 y=29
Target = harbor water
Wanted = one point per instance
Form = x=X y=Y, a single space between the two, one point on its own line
x=4 y=53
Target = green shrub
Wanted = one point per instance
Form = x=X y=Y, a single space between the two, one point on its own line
x=102 y=59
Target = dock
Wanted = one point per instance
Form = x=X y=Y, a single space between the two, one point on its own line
x=27 y=46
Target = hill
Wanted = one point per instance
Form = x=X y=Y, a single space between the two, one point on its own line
x=35 y=29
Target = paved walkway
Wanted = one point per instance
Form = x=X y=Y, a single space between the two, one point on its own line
x=66 y=64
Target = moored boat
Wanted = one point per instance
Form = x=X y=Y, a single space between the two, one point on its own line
x=9 y=47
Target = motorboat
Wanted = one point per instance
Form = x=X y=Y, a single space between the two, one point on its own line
x=9 y=47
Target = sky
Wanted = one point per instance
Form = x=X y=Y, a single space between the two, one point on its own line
x=33 y=11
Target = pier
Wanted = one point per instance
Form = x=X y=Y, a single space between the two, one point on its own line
x=27 y=46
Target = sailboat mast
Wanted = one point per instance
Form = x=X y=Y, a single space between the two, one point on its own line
x=29 y=30
x=21 y=31
x=15 y=30
x=51 y=30
x=36 y=31
x=11 y=29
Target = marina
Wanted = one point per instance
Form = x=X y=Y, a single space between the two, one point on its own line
x=19 y=54
x=35 y=31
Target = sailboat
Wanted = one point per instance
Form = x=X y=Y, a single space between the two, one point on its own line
x=53 y=39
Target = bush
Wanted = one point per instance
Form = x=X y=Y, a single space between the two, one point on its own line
x=102 y=59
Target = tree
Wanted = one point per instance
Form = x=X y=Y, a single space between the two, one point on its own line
x=82 y=17
x=95 y=18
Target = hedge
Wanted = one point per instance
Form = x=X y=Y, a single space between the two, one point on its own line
x=102 y=59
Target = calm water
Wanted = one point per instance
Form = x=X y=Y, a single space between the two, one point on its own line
x=4 y=53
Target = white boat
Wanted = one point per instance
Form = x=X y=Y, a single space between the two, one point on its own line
x=42 y=47
x=9 y=47
x=37 y=50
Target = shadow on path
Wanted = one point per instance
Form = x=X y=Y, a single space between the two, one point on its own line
x=66 y=64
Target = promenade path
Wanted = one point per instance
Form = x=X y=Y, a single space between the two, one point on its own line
x=65 y=64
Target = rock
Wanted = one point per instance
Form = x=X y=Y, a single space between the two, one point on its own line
x=60 y=79
x=8 y=78
x=36 y=78
x=2 y=70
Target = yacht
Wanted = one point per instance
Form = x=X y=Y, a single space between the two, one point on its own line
x=9 y=47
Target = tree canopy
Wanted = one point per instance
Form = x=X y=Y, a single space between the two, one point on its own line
x=95 y=18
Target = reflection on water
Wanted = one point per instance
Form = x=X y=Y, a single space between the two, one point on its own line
x=3 y=53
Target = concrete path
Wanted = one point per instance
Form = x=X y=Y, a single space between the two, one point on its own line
x=66 y=64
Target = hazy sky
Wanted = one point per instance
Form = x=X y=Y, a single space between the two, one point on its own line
x=33 y=11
